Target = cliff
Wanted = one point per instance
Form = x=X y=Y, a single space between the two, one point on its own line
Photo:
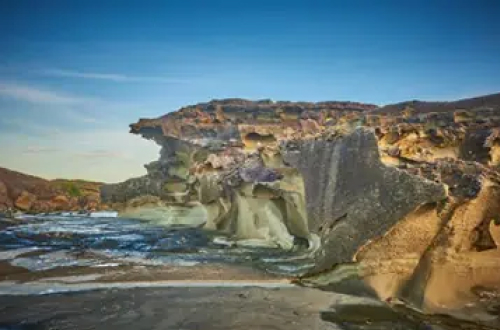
x=409 y=196
x=28 y=193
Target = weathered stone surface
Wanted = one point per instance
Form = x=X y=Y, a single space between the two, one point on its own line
x=351 y=196
x=383 y=196
x=438 y=256
x=253 y=204
x=132 y=188
x=454 y=258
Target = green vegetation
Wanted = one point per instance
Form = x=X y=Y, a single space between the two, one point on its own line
x=72 y=189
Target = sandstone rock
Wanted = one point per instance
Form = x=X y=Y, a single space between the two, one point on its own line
x=453 y=259
x=253 y=212
x=25 y=201
x=351 y=196
x=261 y=219
x=278 y=171
x=390 y=261
x=439 y=254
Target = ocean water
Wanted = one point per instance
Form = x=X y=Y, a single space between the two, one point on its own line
x=41 y=243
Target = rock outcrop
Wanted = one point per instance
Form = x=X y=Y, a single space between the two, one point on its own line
x=351 y=196
x=406 y=195
x=441 y=257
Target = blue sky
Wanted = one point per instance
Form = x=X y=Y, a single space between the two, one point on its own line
x=74 y=74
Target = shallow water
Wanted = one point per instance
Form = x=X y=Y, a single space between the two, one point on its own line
x=50 y=242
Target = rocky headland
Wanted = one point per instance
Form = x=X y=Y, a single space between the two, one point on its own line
x=405 y=198
x=31 y=194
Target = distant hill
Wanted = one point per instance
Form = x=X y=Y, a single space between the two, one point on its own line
x=31 y=193
x=491 y=101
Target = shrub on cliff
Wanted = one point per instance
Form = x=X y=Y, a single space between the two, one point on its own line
x=72 y=189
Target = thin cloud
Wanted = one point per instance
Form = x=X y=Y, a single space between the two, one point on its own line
x=89 y=120
x=101 y=153
x=114 y=77
x=72 y=106
x=27 y=126
x=38 y=150
x=36 y=96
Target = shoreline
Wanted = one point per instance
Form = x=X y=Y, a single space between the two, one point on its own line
x=11 y=288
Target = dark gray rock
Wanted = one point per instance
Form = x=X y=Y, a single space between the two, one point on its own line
x=351 y=196
x=259 y=174
x=135 y=187
x=254 y=170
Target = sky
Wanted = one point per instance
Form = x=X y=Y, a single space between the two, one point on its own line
x=75 y=74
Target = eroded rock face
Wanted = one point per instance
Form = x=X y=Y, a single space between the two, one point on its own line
x=441 y=254
x=351 y=196
x=409 y=197
x=463 y=254
x=254 y=203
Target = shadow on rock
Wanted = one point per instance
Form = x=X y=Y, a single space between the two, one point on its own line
x=397 y=317
x=22 y=326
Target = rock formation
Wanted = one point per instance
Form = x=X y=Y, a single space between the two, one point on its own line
x=407 y=193
x=351 y=196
